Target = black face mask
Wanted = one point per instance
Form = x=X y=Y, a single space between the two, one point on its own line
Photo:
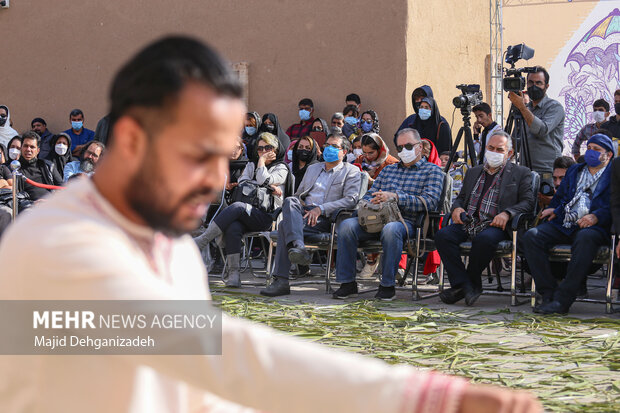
x=270 y=128
x=304 y=155
x=617 y=107
x=535 y=93
x=2 y=120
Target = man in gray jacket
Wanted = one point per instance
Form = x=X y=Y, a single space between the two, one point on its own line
x=327 y=187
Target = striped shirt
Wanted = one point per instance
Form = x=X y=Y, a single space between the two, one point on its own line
x=423 y=179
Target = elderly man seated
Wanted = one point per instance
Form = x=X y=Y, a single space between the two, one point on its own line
x=326 y=187
x=408 y=181
x=492 y=193
x=579 y=214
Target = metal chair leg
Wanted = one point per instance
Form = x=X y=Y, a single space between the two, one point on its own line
x=610 y=277
x=328 y=286
x=513 y=270
x=441 y=276
x=533 y=294
x=414 y=282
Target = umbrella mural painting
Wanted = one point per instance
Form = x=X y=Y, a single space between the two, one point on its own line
x=594 y=64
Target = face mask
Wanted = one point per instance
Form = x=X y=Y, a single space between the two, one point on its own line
x=304 y=114
x=494 y=159
x=598 y=116
x=330 y=154
x=424 y=114
x=407 y=156
x=593 y=158
x=14 y=153
x=250 y=130
x=76 y=125
x=366 y=126
x=289 y=154
x=351 y=120
x=61 y=149
x=617 y=107
x=304 y=155
x=270 y=128
x=358 y=152
x=2 y=120
x=535 y=93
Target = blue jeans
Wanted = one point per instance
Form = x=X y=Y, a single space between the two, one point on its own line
x=584 y=245
x=350 y=234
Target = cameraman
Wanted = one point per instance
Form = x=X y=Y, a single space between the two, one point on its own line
x=483 y=126
x=544 y=119
x=560 y=165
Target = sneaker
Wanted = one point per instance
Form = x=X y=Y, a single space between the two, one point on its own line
x=386 y=293
x=368 y=272
x=346 y=290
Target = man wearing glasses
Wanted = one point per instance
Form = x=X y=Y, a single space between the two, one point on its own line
x=327 y=187
x=408 y=181
x=91 y=155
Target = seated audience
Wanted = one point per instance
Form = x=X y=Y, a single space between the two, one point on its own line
x=431 y=125
x=579 y=214
x=240 y=217
x=14 y=149
x=6 y=131
x=353 y=99
x=444 y=158
x=319 y=131
x=40 y=127
x=408 y=181
x=369 y=122
x=102 y=130
x=78 y=133
x=560 y=166
x=304 y=155
x=91 y=154
x=416 y=97
x=337 y=121
x=326 y=187
x=39 y=170
x=484 y=126
x=60 y=154
x=250 y=130
x=351 y=121
x=356 y=150
x=491 y=195
x=600 y=114
x=306 y=111
x=271 y=124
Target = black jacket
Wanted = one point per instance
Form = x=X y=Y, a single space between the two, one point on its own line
x=515 y=194
x=41 y=171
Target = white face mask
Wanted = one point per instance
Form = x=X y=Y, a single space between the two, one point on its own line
x=408 y=156
x=598 y=116
x=61 y=149
x=494 y=159
x=358 y=152
x=14 y=153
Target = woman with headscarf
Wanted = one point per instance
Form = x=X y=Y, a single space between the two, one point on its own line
x=13 y=149
x=268 y=169
x=319 y=131
x=304 y=155
x=250 y=130
x=271 y=125
x=432 y=126
x=6 y=131
x=369 y=122
x=60 y=155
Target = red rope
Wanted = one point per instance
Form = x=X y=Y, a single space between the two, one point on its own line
x=33 y=183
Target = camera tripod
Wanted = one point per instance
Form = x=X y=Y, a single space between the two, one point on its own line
x=515 y=126
x=469 y=141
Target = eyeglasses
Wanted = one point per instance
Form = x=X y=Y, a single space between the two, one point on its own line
x=333 y=145
x=265 y=148
x=408 y=146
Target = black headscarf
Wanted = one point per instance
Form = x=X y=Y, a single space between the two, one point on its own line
x=8 y=145
x=297 y=172
x=250 y=140
x=4 y=152
x=278 y=132
x=60 y=160
x=429 y=128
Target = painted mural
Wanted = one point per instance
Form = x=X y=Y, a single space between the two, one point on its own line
x=589 y=68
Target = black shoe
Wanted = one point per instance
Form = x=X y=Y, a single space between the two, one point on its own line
x=386 y=293
x=277 y=288
x=346 y=290
x=298 y=254
x=451 y=295
x=553 y=307
x=540 y=301
x=471 y=295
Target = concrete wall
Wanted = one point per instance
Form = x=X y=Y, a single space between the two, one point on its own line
x=447 y=44
x=62 y=54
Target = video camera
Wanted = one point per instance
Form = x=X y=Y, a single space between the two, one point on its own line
x=471 y=95
x=513 y=80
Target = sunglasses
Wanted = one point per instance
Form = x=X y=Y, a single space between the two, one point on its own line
x=408 y=146
x=265 y=148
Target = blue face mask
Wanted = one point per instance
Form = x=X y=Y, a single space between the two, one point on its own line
x=593 y=158
x=250 y=130
x=424 y=114
x=366 y=126
x=77 y=125
x=304 y=114
x=330 y=154
x=351 y=120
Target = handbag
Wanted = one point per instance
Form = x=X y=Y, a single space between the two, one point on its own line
x=258 y=196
